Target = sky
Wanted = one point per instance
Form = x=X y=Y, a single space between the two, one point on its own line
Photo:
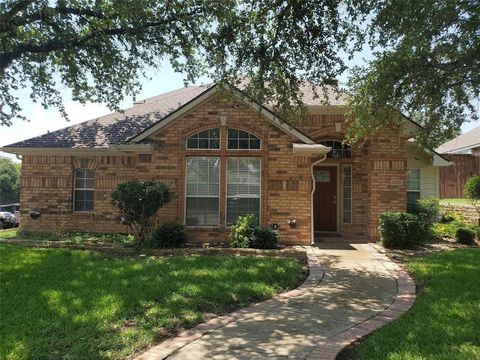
x=162 y=80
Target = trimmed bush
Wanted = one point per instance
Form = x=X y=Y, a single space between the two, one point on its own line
x=139 y=202
x=465 y=236
x=169 y=235
x=399 y=230
x=265 y=238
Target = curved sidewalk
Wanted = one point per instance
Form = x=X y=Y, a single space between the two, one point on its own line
x=360 y=291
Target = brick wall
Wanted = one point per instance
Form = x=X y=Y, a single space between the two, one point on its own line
x=47 y=181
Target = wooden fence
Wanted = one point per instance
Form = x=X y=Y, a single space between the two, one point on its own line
x=453 y=178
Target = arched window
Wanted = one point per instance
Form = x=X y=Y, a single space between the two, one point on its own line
x=242 y=140
x=207 y=139
x=339 y=150
x=83 y=194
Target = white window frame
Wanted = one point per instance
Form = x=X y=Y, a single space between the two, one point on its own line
x=419 y=191
x=205 y=149
x=75 y=189
x=219 y=192
x=250 y=134
x=343 y=194
x=260 y=190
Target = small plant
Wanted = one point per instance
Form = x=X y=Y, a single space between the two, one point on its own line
x=247 y=234
x=242 y=234
x=472 y=192
x=465 y=236
x=399 y=230
x=138 y=202
x=265 y=238
x=169 y=235
x=450 y=216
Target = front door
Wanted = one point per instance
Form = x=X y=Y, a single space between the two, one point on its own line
x=325 y=198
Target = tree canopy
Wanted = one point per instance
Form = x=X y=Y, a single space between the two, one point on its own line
x=427 y=53
x=427 y=66
x=9 y=179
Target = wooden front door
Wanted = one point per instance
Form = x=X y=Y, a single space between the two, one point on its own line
x=325 y=198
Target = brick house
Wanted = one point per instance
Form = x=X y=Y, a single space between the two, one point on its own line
x=225 y=156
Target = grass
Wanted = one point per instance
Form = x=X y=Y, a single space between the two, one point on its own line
x=8 y=233
x=71 y=304
x=444 y=323
x=455 y=202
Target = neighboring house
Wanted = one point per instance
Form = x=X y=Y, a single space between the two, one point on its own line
x=468 y=143
x=225 y=156
x=464 y=154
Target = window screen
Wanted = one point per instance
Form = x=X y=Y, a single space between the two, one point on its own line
x=84 y=190
x=413 y=188
x=243 y=187
x=202 y=191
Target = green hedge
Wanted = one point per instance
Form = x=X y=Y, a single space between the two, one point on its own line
x=400 y=230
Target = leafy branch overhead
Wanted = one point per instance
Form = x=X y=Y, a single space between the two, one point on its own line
x=99 y=49
x=426 y=65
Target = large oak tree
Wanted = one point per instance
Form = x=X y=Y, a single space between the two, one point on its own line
x=426 y=62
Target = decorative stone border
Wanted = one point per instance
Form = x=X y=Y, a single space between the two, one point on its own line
x=330 y=348
x=168 y=347
x=113 y=248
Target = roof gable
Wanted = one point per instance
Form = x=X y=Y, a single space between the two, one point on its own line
x=209 y=93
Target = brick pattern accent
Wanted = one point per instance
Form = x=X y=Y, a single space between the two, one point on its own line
x=47 y=181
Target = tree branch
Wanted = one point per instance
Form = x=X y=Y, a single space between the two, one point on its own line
x=6 y=58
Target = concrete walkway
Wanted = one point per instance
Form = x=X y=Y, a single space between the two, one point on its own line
x=356 y=286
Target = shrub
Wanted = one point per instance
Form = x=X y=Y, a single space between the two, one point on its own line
x=169 y=235
x=265 y=238
x=138 y=202
x=445 y=230
x=472 y=192
x=399 y=230
x=450 y=216
x=465 y=235
x=428 y=208
x=242 y=233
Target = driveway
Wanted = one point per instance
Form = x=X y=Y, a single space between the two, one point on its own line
x=356 y=286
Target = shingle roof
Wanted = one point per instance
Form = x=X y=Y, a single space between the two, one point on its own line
x=117 y=128
x=114 y=128
x=462 y=143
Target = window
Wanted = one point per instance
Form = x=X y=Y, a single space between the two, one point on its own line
x=347 y=194
x=202 y=191
x=339 y=150
x=84 y=190
x=243 y=187
x=242 y=140
x=413 y=188
x=208 y=139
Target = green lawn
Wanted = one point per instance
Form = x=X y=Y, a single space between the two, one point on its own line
x=8 y=234
x=444 y=323
x=67 y=304
x=455 y=202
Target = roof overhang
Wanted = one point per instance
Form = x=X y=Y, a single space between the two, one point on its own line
x=310 y=149
x=111 y=150
x=207 y=94
x=437 y=159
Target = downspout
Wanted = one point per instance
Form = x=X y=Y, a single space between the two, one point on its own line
x=312 y=235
